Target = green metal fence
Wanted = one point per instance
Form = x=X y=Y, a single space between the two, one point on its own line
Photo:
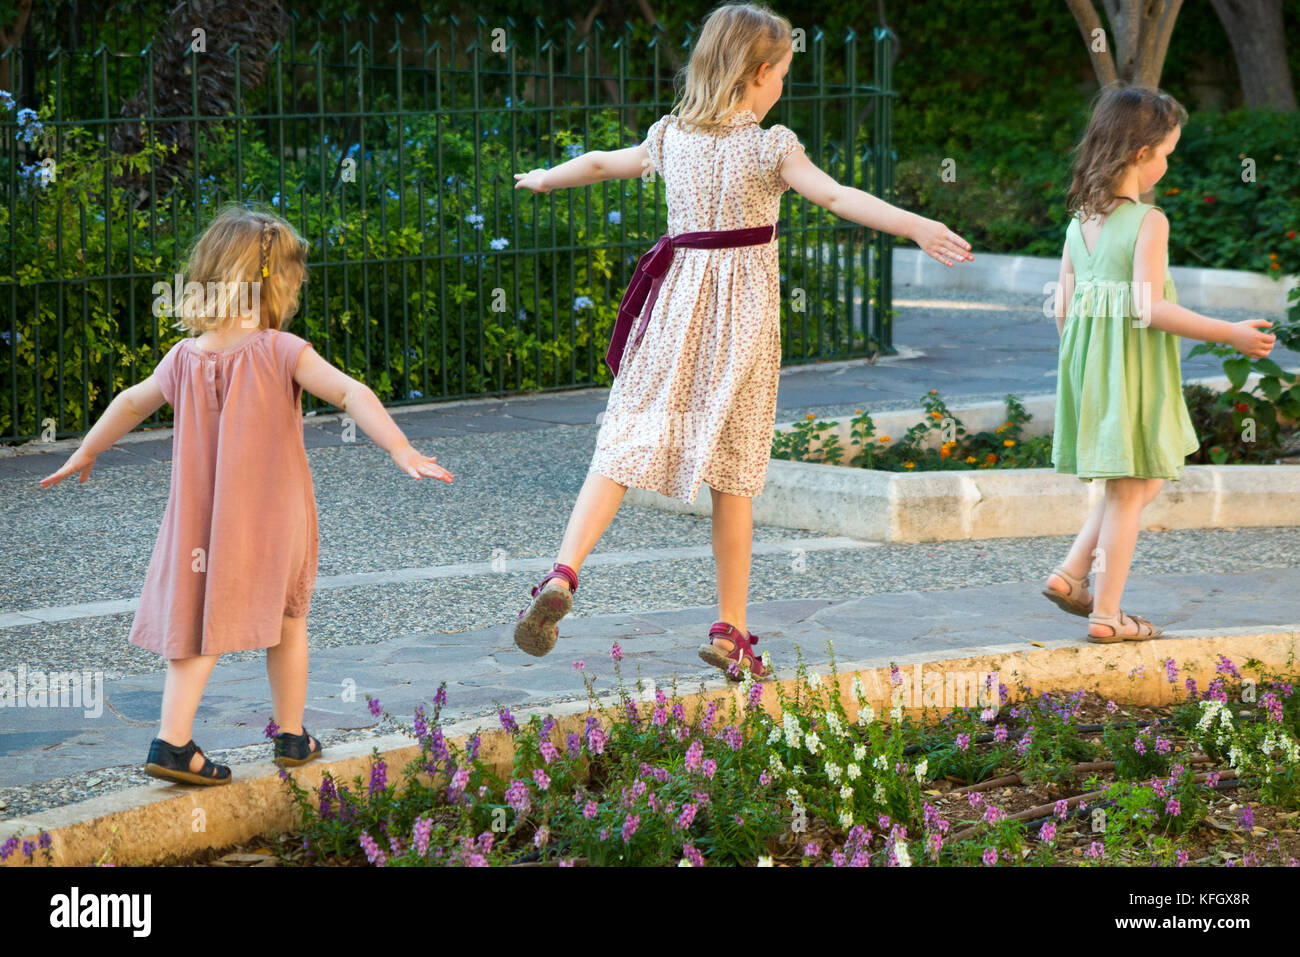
x=390 y=146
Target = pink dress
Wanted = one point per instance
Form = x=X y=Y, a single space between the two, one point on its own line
x=238 y=545
x=695 y=400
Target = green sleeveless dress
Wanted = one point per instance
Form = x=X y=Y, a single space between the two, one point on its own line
x=1119 y=404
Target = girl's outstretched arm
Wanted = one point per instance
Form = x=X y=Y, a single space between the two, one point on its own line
x=1149 y=262
x=594 y=167
x=128 y=409
x=359 y=401
x=855 y=205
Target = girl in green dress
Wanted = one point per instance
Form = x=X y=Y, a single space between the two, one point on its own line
x=1120 y=414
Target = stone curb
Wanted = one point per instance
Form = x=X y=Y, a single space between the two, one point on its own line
x=160 y=823
x=1198 y=288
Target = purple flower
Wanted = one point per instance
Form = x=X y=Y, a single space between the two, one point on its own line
x=1173 y=808
x=1182 y=858
x=1274 y=705
x=1245 y=817
x=733 y=737
x=974 y=797
x=1061 y=808
x=517 y=796
x=460 y=780
x=1000 y=734
x=378 y=776
x=709 y=712
x=765 y=779
x=472 y=746
x=709 y=767
x=590 y=809
x=963 y=741
x=679 y=713
x=1047 y=832
x=373 y=854
x=44 y=841
x=693 y=755
x=692 y=855
x=755 y=695
x=660 y=717
x=272 y=729
x=1096 y=850
x=549 y=752
x=440 y=699
x=572 y=742
x=895 y=678
x=811 y=849
x=1190 y=685
x=543 y=782
x=375 y=708
x=687 y=816
x=616 y=652
x=578 y=665
x=596 y=739
x=630 y=825
x=542 y=836
x=1225 y=666
x=508 y=721
x=990 y=857
x=421 y=725
x=1171 y=671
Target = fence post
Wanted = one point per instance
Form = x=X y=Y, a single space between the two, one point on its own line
x=883 y=327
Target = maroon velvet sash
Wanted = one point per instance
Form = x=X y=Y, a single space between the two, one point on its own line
x=639 y=299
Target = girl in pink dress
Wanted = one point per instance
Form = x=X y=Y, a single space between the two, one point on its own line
x=694 y=394
x=235 y=561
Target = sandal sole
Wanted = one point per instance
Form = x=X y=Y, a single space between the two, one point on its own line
x=713 y=655
x=1063 y=603
x=183 y=777
x=296 y=762
x=1115 y=639
x=537 y=631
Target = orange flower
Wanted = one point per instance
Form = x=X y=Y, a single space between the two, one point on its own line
x=1008 y=442
x=945 y=452
x=990 y=458
x=934 y=391
x=999 y=429
x=857 y=411
x=811 y=415
x=909 y=465
x=1290 y=234
x=1272 y=255
x=936 y=415
x=1275 y=266
x=884 y=438
x=971 y=460
x=1172 y=192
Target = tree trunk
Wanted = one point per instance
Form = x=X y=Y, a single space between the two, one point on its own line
x=1259 y=45
x=1133 y=51
x=10 y=34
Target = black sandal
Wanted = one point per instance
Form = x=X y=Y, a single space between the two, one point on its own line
x=171 y=763
x=292 y=750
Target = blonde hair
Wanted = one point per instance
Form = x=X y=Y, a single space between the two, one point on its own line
x=736 y=40
x=1124 y=119
x=245 y=255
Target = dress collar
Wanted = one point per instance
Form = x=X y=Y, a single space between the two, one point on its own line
x=740 y=117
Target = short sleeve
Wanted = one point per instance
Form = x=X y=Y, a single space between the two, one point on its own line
x=288 y=350
x=654 y=141
x=164 y=373
x=778 y=143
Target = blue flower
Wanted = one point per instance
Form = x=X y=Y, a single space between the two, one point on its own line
x=5 y=337
x=6 y=100
x=583 y=302
x=615 y=217
x=353 y=148
x=415 y=394
x=392 y=194
x=573 y=150
x=500 y=243
x=475 y=219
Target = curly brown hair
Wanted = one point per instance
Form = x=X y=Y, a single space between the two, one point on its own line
x=1124 y=119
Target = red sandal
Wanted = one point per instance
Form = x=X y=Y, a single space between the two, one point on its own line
x=537 y=631
x=741 y=655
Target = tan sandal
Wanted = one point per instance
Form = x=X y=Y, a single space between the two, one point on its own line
x=1071 y=601
x=1145 y=630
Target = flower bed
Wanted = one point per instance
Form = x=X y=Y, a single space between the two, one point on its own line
x=1021 y=778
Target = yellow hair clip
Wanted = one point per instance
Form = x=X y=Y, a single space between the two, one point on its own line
x=265 y=272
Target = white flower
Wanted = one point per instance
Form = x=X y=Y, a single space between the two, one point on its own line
x=853 y=772
x=879 y=794
x=866 y=714
x=832 y=772
x=774 y=735
x=774 y=762
x=684 y=863
x=792 y=731
x=859 y=752
x=812 y=742
x=880 y=763
x=846 y=793
x=896 y=713
x=766 y=658
x=793 y=795
x=797 y=769
x=846 y=818
x=763 y=861
x=856 y=686
x=814 y=679
x=900 y=852
x=833 y=723
x=921 y=769
x=1234 y=756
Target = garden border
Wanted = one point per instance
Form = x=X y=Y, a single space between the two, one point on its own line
x=154 y=824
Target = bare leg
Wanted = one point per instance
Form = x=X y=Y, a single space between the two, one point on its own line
x=733 y=538
x=286 y=670
x=595 y=508
x=1125 y=499
x=1079 y=561
x=182 y=690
